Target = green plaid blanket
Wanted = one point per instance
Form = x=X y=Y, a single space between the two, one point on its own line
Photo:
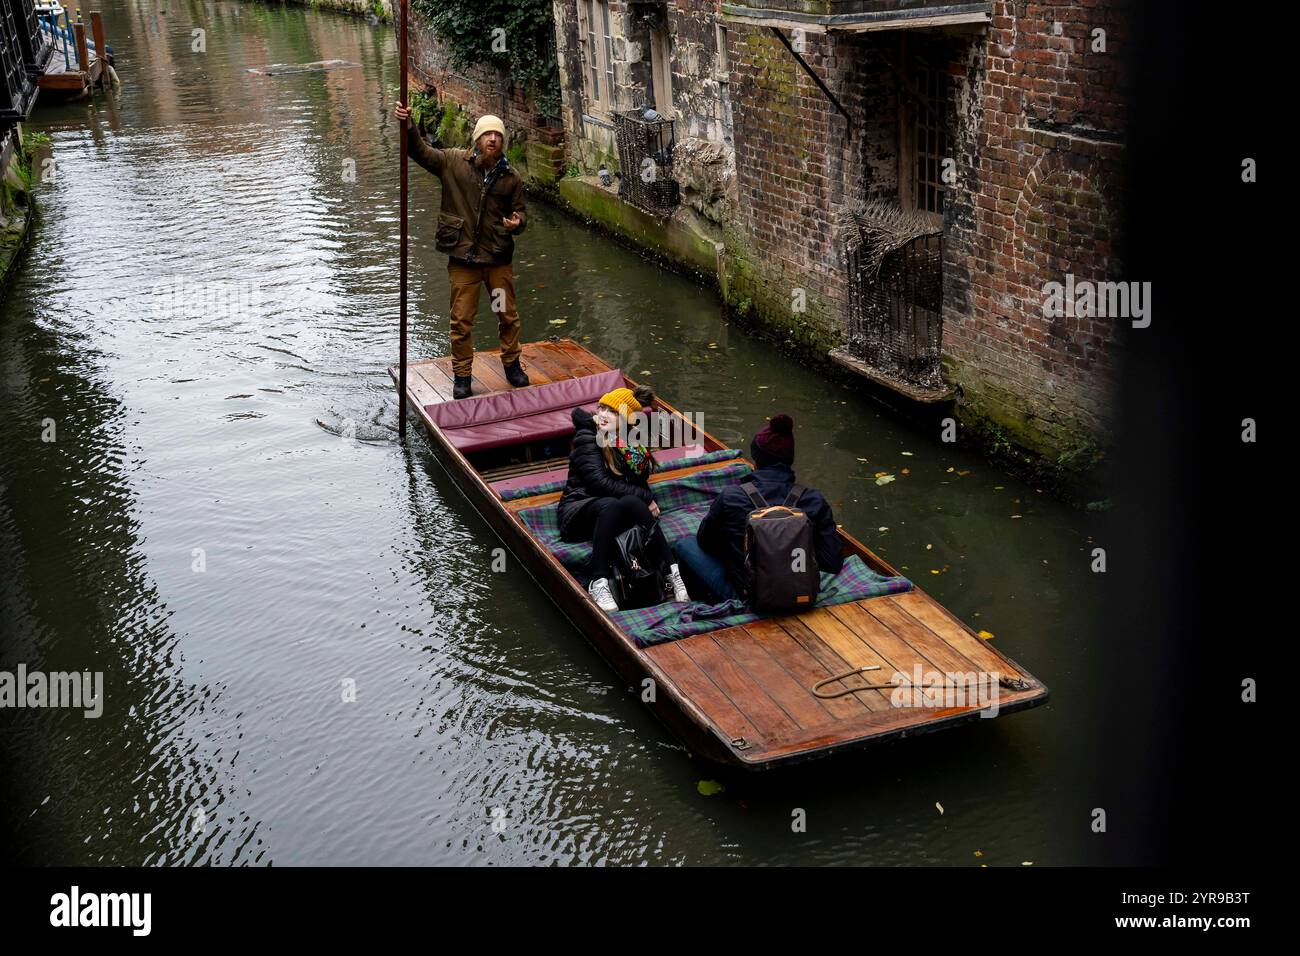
x=546 y=487
x=683 y=503
x=668 y=622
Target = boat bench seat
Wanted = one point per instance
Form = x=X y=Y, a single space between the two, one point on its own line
x=535 y=413
x=558 y=476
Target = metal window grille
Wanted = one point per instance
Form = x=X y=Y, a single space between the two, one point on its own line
x=645 y=153
x=895 y=263
x=930 y=138
x=16 y=87
x=36 y=48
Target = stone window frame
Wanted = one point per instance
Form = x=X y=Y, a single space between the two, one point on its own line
x=600 y=94
x=661 y=70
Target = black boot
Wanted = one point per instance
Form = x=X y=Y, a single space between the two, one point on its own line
x=516 y=375
x=460 y=386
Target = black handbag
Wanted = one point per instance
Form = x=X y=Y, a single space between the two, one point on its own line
x=638 y=580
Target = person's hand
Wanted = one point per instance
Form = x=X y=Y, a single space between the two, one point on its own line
x=402 y=112
x=654 y=509
x=511 y=223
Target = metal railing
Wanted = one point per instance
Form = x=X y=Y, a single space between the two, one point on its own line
x=645 y=152
x=895 y=271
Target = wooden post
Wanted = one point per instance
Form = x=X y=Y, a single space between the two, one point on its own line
x=83 y=54
x=402 y=249
x=101 y=49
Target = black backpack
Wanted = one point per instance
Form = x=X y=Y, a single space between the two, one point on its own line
x=781 y=573
x=637 y=580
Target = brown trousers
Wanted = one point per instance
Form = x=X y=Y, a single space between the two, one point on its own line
x=466 y=281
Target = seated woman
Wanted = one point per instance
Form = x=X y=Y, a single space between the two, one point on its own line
x=608 y=491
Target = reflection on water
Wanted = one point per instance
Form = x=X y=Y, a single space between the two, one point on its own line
x=306 y=657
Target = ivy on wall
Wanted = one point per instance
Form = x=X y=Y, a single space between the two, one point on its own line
x=516 y=35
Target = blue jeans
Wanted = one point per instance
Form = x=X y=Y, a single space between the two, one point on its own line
x=707 y=569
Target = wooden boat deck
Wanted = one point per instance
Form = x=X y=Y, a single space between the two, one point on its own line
x=429 y=381
x=743 y=695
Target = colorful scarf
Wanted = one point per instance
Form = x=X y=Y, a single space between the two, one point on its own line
x=632 y=459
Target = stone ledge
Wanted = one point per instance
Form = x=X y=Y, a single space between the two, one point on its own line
x=926 y=396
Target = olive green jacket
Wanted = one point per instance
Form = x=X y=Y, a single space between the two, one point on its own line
x=469 y=225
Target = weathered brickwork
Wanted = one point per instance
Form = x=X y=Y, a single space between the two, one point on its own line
x=1035 y=125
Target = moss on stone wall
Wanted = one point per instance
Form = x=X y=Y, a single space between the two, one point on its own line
x=1049 y=448
x=16 y=209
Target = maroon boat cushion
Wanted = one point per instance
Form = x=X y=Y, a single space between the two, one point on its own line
x=525 y=414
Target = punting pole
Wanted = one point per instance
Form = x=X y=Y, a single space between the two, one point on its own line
x=401 y=280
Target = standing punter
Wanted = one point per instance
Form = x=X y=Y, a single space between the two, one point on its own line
x=482 y=211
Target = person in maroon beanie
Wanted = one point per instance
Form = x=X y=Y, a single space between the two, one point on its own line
x=716 y=555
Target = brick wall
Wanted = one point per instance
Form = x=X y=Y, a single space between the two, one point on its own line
x=1045 y=167
x=1035 y=124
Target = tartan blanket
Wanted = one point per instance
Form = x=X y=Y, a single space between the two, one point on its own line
x=668 y=622
x=683 y=503
x=546 y=487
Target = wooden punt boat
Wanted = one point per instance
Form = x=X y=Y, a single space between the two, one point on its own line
x=740 y=695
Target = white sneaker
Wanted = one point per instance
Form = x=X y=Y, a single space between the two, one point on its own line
x=679 y=586
x=601 y=594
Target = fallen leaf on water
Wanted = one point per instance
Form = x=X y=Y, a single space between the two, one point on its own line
x=905 y=453
x=933 y=571
x=882 y=529
x=559 y=321
x=929 y=547
x=1017 y=516
x=709 y=787
x=986 y=635
x=979 y=852
x=645 y=371
x=1026 y=862
x=997 y=487
x=950 y=470
x=906 y=471
x=940 y=806
x=962 y=474
x=864 y=459
x=884 y=479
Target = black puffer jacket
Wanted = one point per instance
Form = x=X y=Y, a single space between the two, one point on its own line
x=589 y=476
x=722 y=532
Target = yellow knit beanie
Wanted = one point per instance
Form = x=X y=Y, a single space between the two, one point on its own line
x=621 y=400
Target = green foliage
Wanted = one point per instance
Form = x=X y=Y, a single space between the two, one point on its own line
x=453 y=127
x=34 y=140
x=425 y=111
x=466 y=27
x=515 y=154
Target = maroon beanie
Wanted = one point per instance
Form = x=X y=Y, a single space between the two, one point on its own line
x=775 y=440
